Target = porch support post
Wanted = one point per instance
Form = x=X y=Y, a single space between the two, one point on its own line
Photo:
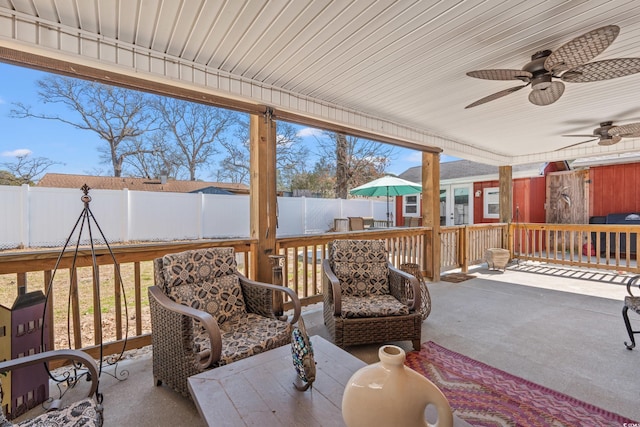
x=506 y=198
x=262 y=192
x=431 y=212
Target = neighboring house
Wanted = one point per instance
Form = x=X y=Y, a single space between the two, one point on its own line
x=59 y=180
x=556 y=193
x=469 y=192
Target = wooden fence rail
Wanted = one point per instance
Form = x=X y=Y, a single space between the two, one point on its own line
x=461 y=247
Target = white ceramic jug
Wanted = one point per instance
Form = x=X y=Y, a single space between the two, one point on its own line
x=388 y=393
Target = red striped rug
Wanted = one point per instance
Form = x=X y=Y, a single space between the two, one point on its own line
x=487 y=397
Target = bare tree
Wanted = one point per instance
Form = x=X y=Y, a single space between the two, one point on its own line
x=356 y=160
x=157 y=159
x=117 y=115
x=195 y=128
x=234 y=167
x=342 y=166
x=291 y=156
x=27 y=170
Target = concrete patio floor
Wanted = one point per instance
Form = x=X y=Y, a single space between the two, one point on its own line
x=564 y=333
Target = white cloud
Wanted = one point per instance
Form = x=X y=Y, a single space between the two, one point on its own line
x=16 y=153
x=2 y=101
x=305 y=132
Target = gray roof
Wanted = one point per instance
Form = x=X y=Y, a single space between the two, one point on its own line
x=463 y=169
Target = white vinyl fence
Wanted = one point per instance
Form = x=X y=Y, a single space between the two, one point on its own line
x=45 y=217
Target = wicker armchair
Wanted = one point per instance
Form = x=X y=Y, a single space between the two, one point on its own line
x=366 y=299
x=84 y=412
x=205 y=314
x=631 y=302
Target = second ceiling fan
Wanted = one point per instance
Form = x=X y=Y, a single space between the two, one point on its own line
x=608 y=134
x=569 y=63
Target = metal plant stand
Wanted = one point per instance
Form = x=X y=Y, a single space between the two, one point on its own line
x=72 y=375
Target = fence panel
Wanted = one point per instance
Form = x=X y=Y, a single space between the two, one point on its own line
x=225 y=216
x=53 y=213
x=290 y=221
x=161 y=217
x=12 y=216
x=44 y=217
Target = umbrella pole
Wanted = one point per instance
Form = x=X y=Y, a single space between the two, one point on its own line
x=388 y=219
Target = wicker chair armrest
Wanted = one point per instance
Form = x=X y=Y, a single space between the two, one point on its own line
x=331 y=287
x=259 y=298
x=62 y=354
x=206 y=320
x=632 y=282
x=404 y=287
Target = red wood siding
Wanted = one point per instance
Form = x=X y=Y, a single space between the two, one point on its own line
x=528 y=200
x=614 y=189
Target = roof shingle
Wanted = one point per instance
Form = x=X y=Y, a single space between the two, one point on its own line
x=59 y=180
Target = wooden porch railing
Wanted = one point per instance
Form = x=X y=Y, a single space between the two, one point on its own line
x=465 y=245
x=32 y=271
x=608 y=247
x=461 y=247
x=304 y=255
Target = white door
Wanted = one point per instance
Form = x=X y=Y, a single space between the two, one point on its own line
x=456 y=204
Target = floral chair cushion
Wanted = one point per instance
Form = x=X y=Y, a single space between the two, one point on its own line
x=205 y=279
x=361 y=266
x=85 y=412
x=244 y=336
x=372 y=306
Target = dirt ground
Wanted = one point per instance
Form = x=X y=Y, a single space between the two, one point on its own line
x=63 y=327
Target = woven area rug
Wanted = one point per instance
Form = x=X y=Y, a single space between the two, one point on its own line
x=456 y=277
x=486 y=397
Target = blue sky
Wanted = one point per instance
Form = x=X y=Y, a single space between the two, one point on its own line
x=76 y=151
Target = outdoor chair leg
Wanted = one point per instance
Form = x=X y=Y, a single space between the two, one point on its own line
x=627 y=323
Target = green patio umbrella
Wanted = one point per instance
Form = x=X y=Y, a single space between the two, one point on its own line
x=387 y=186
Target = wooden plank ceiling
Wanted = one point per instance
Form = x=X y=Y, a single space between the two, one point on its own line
x=403 y=62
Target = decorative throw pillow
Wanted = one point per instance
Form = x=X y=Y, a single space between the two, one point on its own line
x=302 y=353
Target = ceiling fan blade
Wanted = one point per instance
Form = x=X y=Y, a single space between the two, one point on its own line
x=609 y=141
x=579 y=143
x=631 y=129
x=602 y=70
x=496 y=96
x=547 y=96
x=501 y=75
x=582 y=49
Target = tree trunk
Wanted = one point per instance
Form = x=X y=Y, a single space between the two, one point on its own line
x=342 y=167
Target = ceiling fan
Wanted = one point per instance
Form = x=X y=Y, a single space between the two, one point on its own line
x=608 y=134
x=569 y=63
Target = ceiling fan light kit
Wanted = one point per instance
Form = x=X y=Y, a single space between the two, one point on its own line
x=569 y=63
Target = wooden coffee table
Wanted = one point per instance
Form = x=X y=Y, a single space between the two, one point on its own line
x=259 y=391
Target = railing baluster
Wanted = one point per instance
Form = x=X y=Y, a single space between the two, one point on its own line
x=138 y=296
x=75 y=309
